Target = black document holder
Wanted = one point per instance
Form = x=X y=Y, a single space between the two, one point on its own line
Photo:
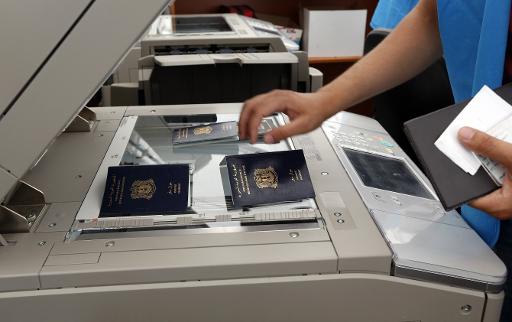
x=452 y=184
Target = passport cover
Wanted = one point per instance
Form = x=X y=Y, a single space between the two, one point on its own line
x=266 y=178
x=452 y=184
x=208 y=133
x=146 y=189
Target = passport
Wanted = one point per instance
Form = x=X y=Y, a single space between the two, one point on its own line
x=207 y=133
x=215 y=133
x=146 y=189
x=267 y=178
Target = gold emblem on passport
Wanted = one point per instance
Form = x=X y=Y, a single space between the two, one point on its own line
x=265 y=178
x=203 y=130
x=143 y=189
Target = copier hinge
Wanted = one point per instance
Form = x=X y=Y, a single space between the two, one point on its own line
x=3 y=242
x=23 y=208
x=83 y=122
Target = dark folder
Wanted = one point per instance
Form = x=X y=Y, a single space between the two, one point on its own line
x=453 y=185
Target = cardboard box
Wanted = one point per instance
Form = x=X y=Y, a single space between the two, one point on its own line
x=334 y=33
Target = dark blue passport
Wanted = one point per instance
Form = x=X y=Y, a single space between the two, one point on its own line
x=146 y=189
x=208 y=133
x=266 y=178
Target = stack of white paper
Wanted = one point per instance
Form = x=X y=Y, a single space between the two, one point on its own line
x=502 y=131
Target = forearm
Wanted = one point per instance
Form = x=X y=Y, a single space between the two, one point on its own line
x=408 y=50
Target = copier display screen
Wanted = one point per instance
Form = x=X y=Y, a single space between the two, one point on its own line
x=386 y=173
x=192 y=25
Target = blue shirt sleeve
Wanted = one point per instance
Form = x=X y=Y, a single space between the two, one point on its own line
x=390 y=12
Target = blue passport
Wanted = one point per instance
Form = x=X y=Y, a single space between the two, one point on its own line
x=215 y=133
x=207 y=133
x=146 y=189
x=267 y=178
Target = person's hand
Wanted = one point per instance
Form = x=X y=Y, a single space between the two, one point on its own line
x=306 y=113
x=499 y=202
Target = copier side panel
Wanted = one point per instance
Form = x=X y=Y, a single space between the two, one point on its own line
x=340 y=297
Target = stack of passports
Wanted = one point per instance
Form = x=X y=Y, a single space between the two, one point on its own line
x=147 y=189
x=214 y=133
x=268 y=178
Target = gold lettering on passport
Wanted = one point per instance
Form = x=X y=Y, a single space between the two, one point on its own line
x=204 y=130
x=235 y=179
x=143 y=189
x=174 y=188
x=121 y=191
x=265 y=178
x=245 y=180
x=112 y=191
x=226 y=126
x=182 y=133
x=295 y=175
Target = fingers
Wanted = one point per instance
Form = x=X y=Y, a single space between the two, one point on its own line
x=245 y=115
x=499 y=202
x=259 y=107
x=298 y=126
x=489 y=203
x=486 y=145
x=242 y=120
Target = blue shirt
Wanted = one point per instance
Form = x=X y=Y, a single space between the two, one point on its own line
x=473 y=35
x=389 y=13
x=474 y=39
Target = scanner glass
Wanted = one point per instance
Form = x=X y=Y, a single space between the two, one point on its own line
x=150 y=143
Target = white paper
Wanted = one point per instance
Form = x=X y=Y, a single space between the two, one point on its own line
x=334 y=33
x=501 y=131
x=484 y=111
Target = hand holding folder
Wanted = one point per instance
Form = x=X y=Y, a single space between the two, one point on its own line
x=453 y=185
x=499 y=202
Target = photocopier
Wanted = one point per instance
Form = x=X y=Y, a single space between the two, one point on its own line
x=373 y=245
x=221 y=58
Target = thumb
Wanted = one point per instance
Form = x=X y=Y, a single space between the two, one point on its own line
x=486 y=145
x=293 y=128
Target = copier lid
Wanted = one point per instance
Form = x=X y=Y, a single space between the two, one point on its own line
x=55 y=56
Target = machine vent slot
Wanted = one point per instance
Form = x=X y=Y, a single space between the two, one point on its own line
x=209 y=49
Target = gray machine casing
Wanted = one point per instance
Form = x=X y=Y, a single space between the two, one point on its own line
x=227 y=66
x=157 y=39
x=359 y=255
